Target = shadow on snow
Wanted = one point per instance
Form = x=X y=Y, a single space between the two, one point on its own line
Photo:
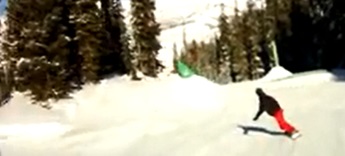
x=246 y=130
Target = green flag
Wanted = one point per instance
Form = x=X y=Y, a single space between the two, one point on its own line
x=183 y=70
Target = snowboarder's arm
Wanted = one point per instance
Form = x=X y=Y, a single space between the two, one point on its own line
x=258 y=114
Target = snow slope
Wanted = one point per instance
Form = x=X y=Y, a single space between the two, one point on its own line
x=18 y=118
x=167 y=117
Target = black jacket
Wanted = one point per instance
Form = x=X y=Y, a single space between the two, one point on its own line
x=266 y=104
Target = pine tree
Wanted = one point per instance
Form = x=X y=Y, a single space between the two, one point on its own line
x=87 y=18
x=239 y=62
x=267 y=29
x=63 y=49
x=5 y=85
x=12 y=36
x=112 y=60
x=223 y=43
x=277 y=25
x=252 y=41
x=35 y=48
x=145 y=32
x=128 y=55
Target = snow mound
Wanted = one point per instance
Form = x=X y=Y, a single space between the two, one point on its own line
x=172 y=98
x=275 y=73
x=302 y=80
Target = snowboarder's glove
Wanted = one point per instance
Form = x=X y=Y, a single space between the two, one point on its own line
x=254 y=119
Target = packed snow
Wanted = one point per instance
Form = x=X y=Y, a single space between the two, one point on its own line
x=178 y=116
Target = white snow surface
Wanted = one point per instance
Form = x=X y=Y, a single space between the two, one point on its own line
x=19 y=119
x=176 y=116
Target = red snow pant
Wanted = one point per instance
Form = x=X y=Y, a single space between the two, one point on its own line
x=282 y=123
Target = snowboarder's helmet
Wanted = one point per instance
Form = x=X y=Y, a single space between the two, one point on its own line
x=259 y=91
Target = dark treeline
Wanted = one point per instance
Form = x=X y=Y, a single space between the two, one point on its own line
x=51 y=48
x=316 y=36
x=307 y=34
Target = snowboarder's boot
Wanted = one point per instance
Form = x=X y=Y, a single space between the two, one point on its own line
x=294 y=135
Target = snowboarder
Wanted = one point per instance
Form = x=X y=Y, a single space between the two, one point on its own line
x=271 y=106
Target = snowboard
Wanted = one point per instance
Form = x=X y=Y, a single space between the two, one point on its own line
x=247 y=129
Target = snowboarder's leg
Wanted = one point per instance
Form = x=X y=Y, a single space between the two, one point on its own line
x=285 y=126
